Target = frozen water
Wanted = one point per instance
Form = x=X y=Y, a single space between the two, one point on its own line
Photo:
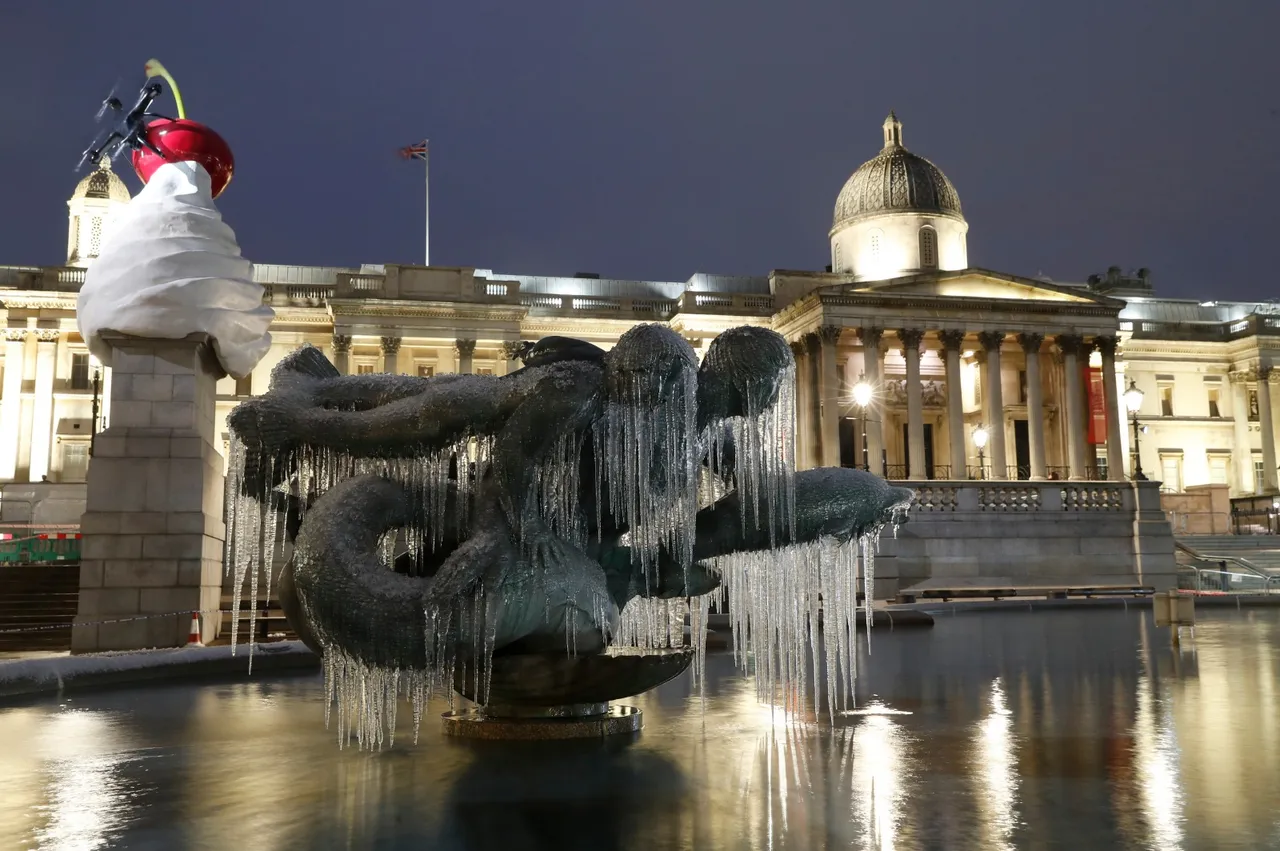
x=790 y=605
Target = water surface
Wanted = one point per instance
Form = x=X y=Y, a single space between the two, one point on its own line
x=1066 y=729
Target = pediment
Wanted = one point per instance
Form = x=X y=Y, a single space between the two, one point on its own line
x=980 y=283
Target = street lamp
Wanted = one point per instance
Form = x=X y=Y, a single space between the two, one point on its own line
x=1133 y=401
x=862 y=393
x=980 y=436
x=96 y=366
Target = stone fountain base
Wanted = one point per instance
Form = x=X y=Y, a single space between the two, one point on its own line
x=556 y=696
x=522 y=723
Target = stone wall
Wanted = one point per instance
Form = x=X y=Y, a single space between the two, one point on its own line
x=1028 y=534
x=1200 y=510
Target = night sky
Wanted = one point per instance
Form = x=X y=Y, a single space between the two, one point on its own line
x=654 y=140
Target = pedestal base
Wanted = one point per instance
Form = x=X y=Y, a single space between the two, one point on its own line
x=551 y=724
x=151 y=552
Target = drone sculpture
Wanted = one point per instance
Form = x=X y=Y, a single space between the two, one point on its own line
x=155 y=139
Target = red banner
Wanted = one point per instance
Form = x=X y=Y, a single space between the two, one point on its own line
x=1097 y=392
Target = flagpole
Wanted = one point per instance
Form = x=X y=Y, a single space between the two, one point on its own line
x=426 y=205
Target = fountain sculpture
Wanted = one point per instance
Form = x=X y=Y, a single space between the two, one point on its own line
x=536 y=540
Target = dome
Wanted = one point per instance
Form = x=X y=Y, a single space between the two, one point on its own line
x=896 y=181
x=103 y=183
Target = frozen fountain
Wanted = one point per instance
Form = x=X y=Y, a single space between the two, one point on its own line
x=536 y=541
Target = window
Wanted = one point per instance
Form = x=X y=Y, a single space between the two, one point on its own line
x=875 y=245
x=1214 y=411
x=80 y=372
x=75 y=460
x=1218 y=469
x=1171 y=472
x=928 y=248
x=1166 y=401
x=1100 y=462
x=484 y=370
x=95 y=236
x=364 y=369
x=426 y=371
x=244 y=386
x=1259 y=476
x=836 y=265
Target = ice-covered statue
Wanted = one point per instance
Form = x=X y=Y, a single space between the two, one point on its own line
x=170 y=267
x=446 y=531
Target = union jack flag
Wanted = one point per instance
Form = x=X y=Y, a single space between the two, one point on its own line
x=415 y=152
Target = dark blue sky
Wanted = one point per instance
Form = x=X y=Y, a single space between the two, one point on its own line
x=659 y=139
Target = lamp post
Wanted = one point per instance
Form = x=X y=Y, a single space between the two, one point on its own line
x=862 y=393
x=97 y=395
x=1133 y=402
x=980 y=436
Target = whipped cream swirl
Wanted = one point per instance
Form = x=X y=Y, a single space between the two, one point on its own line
x=170 y=268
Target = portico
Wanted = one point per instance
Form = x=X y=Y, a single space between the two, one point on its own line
x=947 y=352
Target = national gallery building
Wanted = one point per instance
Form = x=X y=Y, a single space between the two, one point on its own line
x=912 y=360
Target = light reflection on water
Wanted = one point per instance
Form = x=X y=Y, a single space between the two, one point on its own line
x=1083 y=729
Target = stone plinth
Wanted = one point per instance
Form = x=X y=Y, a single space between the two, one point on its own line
x=152 y=529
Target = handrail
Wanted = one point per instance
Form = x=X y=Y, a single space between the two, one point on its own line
x=1252 y=570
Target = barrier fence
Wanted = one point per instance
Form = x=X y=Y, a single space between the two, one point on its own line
x=22 y=543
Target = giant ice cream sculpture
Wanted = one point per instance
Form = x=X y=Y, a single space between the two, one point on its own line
x=171 y=266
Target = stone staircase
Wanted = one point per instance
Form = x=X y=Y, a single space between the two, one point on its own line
x=1261 y=551
x=38 y=605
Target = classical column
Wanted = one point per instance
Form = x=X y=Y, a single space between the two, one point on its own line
x=799 y=351
x=1240 y=427
x=911 y=338
x=11 y=402
x=813 y=378
x=951 y=343
x=342 y=353
x=1115 y=423
x=465 y=350
x=512 y=350
x=42 y=407
x=870 y=338
x=1072 y=348
x=390 y=355
x=994 y=396
x=1035 y=403
x=1268 y=433
x=829 y=336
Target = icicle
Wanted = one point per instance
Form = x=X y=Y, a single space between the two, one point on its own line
x=650 y=454
x=792 y=609
x=764 y=457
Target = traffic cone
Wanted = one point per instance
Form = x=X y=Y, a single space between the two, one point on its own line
x=193 y=639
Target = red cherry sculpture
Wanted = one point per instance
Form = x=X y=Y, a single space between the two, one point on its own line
x=181 y=140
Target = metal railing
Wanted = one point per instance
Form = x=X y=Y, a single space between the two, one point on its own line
x=1224 y=574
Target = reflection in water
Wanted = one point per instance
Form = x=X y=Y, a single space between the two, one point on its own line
x=880 y=778
x=86 y=798
x=1084 y=729
x=996 y=761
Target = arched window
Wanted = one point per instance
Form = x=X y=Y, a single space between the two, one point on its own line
x=836 y=263
x=928 y=248
x=95 y=237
